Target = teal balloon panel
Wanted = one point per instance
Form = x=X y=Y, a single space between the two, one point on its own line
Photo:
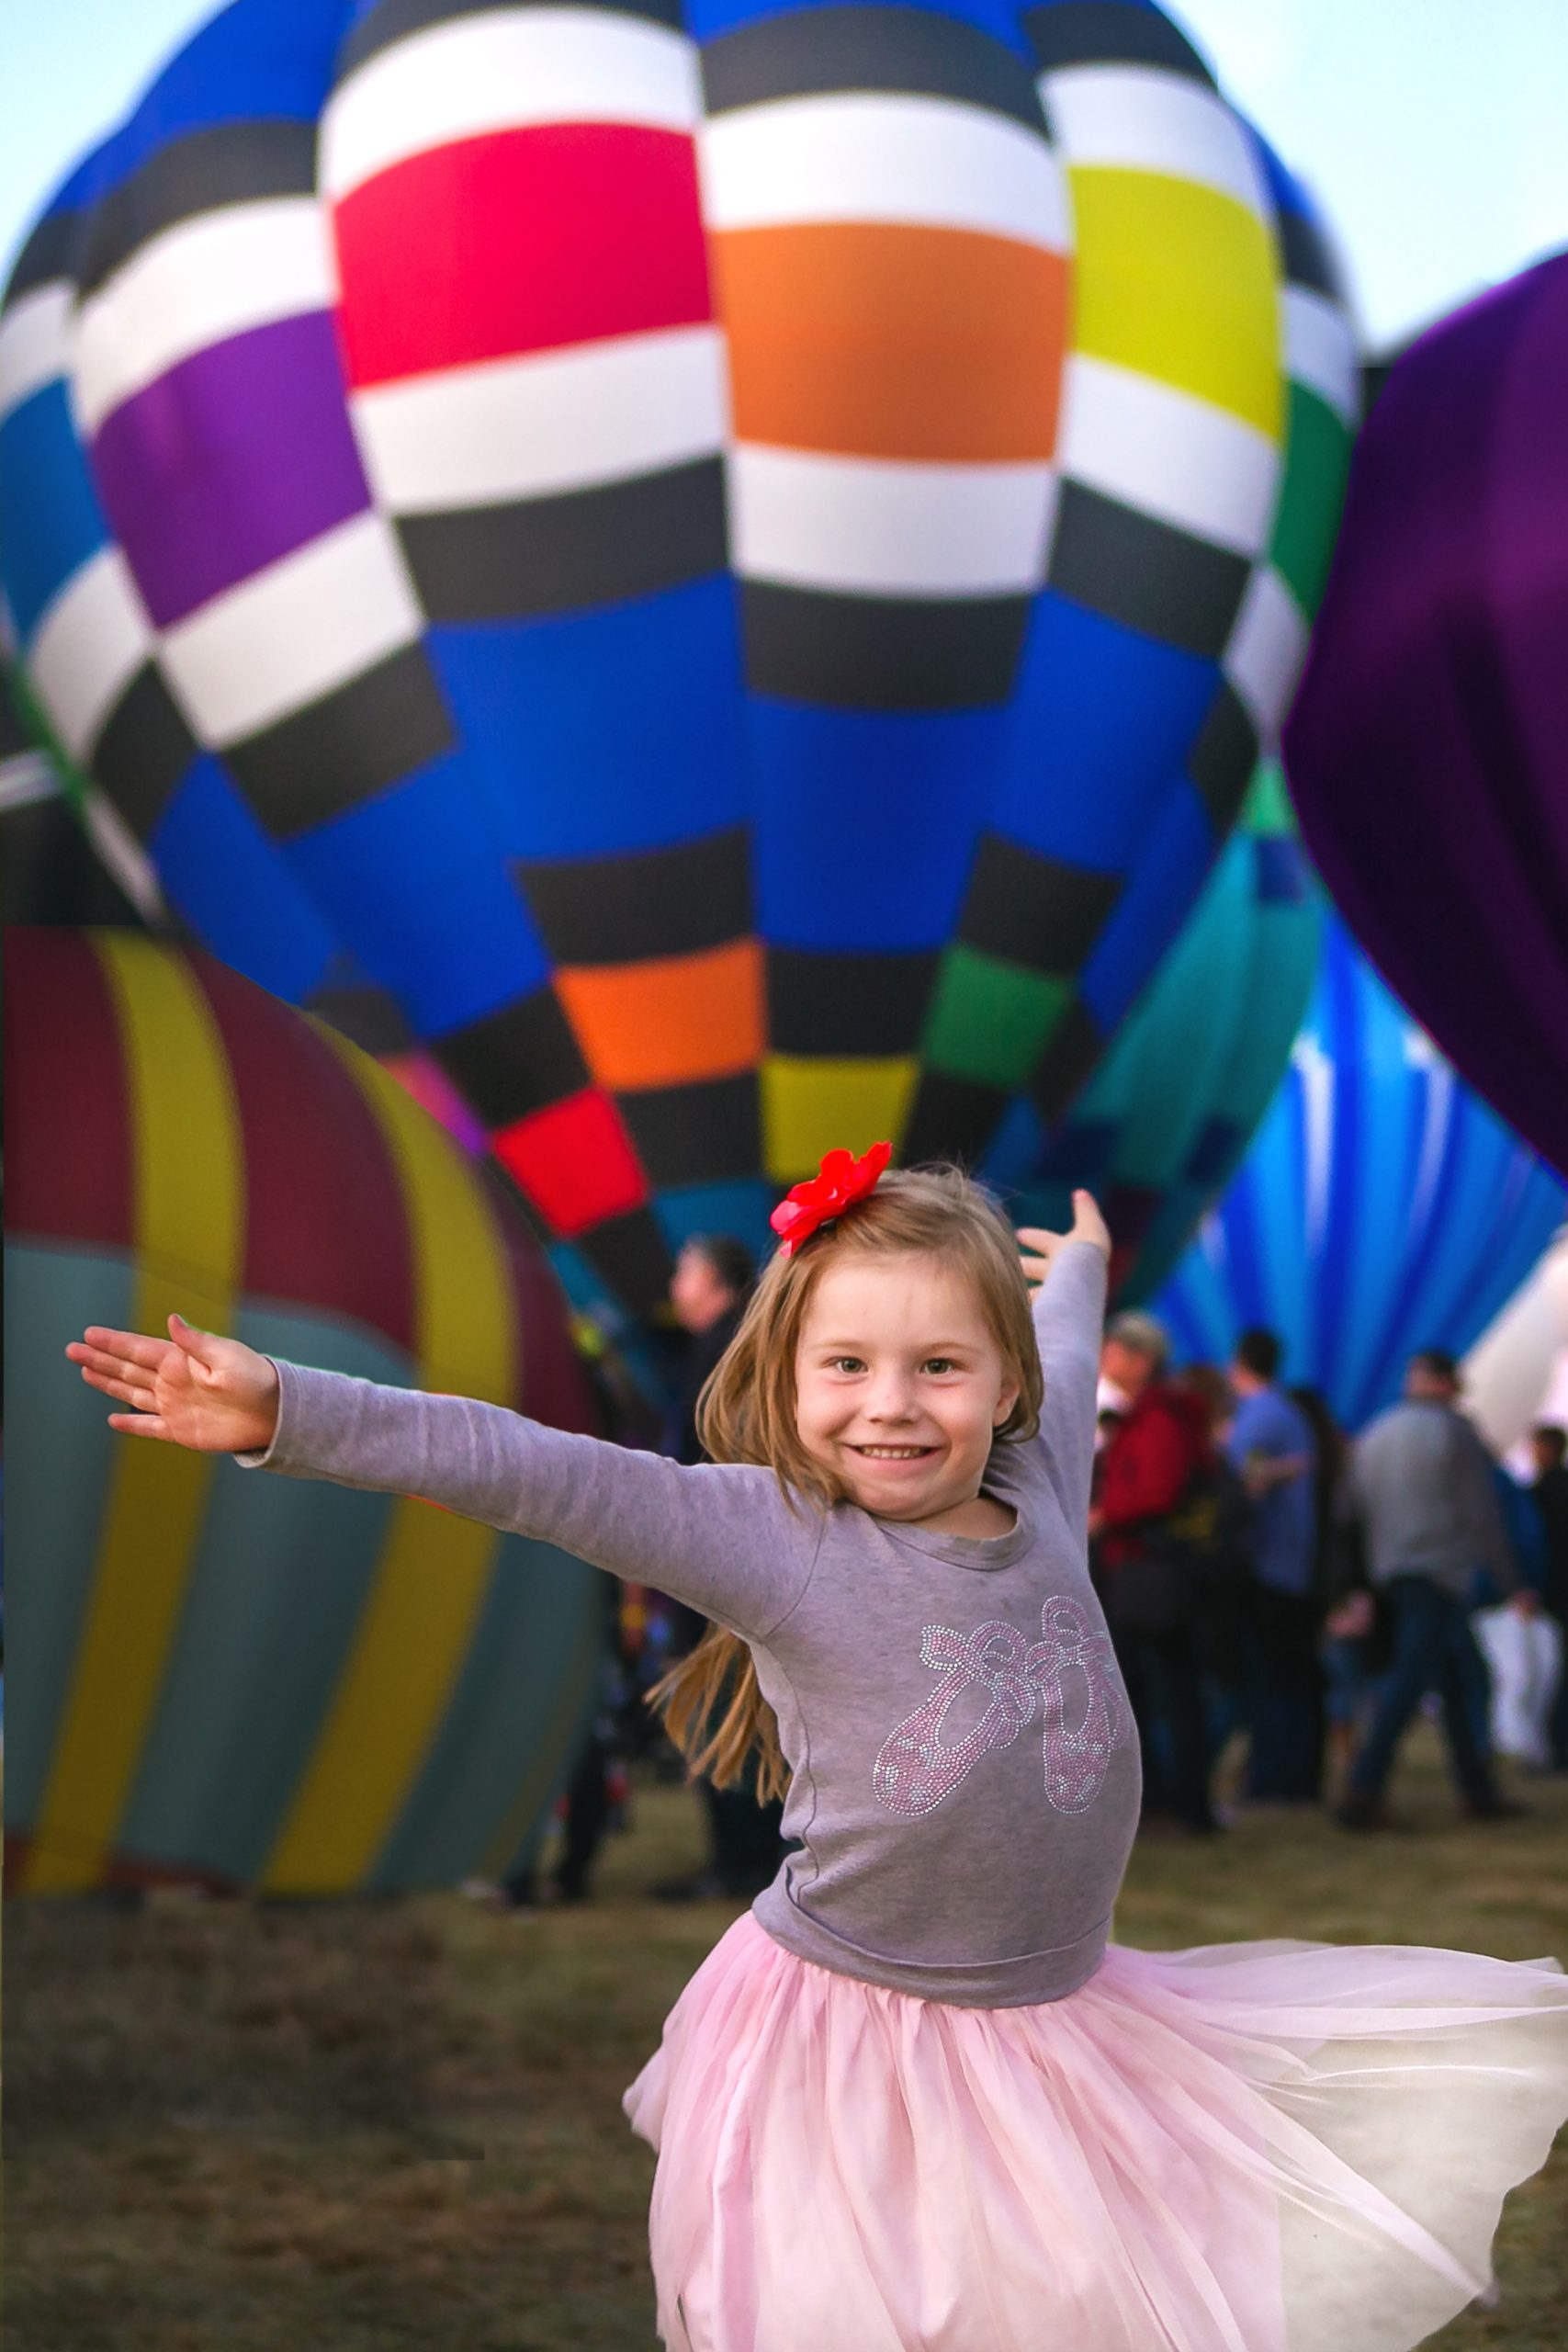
x=1384 y=1206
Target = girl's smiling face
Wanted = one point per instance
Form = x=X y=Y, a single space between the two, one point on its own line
x=900 y=1384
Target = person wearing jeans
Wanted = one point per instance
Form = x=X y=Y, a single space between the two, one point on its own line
x=1421 y=1487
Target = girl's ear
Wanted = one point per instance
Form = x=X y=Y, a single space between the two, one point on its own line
x=1005 y=1403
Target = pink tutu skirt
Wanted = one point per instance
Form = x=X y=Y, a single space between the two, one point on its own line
x=1252 y=2147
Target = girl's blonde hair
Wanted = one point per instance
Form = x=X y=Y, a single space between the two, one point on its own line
x=747 y=1413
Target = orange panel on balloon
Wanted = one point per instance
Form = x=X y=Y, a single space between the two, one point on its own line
x=666 y=1022
x=877 y=339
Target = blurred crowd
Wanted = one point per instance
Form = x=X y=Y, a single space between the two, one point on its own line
x=1263 y=1574
x=1284 y=1601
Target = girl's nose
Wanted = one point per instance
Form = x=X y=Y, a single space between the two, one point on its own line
x=891 y=1398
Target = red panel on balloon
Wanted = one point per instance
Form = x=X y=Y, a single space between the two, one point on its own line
x=522 y=241
x=575 y=1161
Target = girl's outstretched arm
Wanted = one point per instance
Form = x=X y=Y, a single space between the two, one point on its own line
x=1070 y=1271
x=721 y=1539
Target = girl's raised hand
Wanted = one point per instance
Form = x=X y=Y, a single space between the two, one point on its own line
x=1040 y=1245
x=214 y=1396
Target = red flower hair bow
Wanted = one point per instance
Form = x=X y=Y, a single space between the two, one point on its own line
x=840 y=1180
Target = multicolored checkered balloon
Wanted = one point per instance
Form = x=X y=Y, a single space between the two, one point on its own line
x=734 y=561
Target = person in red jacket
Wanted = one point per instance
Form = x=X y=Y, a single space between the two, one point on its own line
x=1158 y=1444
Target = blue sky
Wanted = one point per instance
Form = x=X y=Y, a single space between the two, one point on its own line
x=1432 y=131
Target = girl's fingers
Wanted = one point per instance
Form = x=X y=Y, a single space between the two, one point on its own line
x=128 y=1392
x=94 y=1366
x=138 y=1425
x=129 y=1347
x=1039 y=1238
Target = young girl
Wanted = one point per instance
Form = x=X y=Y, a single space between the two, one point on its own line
x=913 y=2101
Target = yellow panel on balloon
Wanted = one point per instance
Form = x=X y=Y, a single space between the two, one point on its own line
x=1179 y=282
x=813 y=1107
x=190 y=1187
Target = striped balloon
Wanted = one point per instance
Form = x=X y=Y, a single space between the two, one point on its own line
x=1383 y=1208
x=254 y=1682
x=736 y=561
x=1165 y=1120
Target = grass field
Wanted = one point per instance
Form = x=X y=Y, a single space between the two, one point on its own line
x=357 y=2128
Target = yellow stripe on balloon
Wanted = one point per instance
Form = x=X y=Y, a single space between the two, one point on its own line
x=432 y=1578
x=1181 y=282
x=812 y=1107
x=189 y=1193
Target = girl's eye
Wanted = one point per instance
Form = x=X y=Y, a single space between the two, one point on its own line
x=940 y=1364
x=846 y=1363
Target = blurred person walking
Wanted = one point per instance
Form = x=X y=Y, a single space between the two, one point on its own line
x=1272 y=1447
x=1156 y=1454
x=1353 y=1645
x=1420 y=1486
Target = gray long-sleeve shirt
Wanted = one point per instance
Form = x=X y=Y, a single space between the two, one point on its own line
x=965 y=1779
x=1420 y=1483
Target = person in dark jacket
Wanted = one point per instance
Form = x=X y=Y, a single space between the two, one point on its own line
x=712 y=1279
x=1158 y=1447
x=1549 y=1446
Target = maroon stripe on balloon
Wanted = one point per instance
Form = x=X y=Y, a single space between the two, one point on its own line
x=232 y=459
x=325 y=1222
x=555 y=1387
x=70 y=1171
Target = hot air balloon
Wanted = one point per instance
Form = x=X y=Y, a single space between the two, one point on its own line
x=296 y=1688
x=1429 y=751
x=1383 y=1208
x=1167 y=1119
x=736 y=565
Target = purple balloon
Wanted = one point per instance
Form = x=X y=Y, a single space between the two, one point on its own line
x=1428 y=750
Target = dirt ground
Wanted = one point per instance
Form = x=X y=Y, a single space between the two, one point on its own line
x=348 y=2128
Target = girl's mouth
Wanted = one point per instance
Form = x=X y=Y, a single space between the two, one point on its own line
x=893 y=1452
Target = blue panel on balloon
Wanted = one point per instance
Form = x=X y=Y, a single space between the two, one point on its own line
x=864 y=843
x=51 y=521
x=1280 y=870
x=1013 y=1152
x=226 y=879
x=446 y=928
x=1283 y=186
x=258 y=60
x=1150 y=911
x=740 y=1209
x=1101 y=720
x=636 y=703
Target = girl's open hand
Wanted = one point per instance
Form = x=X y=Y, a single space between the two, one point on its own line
x=214 y=1396
x=1040 y=1246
